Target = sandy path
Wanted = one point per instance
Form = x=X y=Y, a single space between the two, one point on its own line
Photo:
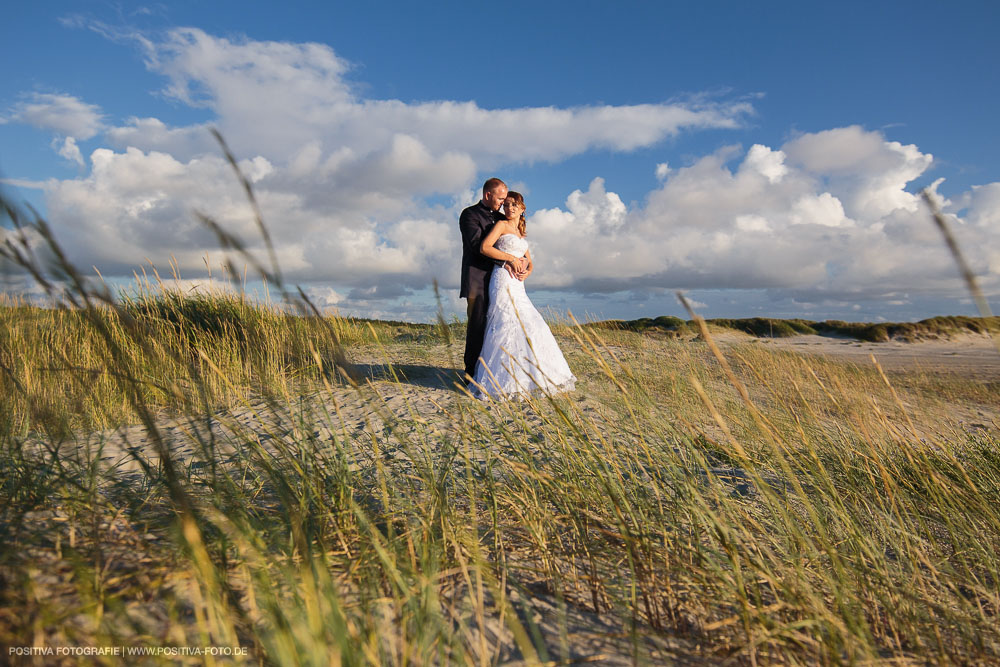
x=423 y=400
x=975 y=357
x=425 y=392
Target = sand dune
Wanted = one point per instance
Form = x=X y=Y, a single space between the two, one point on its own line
x=973 y=356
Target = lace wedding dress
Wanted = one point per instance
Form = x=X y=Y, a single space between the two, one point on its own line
x=520 y=355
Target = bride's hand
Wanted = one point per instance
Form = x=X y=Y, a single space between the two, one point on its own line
x=517 y=268
x=520 y=271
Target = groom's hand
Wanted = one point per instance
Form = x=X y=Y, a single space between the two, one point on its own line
x=527 y=272
x=518 y=269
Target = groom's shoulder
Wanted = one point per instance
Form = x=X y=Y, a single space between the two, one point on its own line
x=473 y=212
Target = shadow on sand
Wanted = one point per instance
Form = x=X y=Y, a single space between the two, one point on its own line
x=416 y=374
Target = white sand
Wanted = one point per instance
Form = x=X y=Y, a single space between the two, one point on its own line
x=976 y=357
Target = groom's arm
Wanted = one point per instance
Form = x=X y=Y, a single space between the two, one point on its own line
x=472 y=231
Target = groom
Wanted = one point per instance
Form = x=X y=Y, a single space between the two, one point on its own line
x=475 y=223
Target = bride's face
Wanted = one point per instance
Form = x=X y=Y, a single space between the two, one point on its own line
x=512 y=209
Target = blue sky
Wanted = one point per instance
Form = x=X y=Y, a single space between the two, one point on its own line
x=763 y=157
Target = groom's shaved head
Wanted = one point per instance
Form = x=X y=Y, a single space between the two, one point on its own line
x=494 y=192
x=492 y=184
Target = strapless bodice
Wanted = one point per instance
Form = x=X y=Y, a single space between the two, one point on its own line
x=512 y=244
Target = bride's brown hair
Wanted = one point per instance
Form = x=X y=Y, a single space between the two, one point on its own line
x=522 y=224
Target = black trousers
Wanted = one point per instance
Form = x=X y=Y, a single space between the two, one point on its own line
x=477 y=307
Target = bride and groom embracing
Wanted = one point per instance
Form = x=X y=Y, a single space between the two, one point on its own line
x=509 y=350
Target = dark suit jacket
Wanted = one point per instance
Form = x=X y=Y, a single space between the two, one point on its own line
x=475 y=223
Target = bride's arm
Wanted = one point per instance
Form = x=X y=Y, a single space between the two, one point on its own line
x=530 y=267
x=487 y=246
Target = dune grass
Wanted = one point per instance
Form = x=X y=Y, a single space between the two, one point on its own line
x=56 y=376
x=782 y=510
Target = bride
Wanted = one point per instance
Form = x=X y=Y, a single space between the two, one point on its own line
x=519 y=355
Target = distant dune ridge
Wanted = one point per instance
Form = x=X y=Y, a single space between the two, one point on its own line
x=931 y=328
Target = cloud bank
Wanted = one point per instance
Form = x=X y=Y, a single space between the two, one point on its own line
x=352 y=188
x=826 y=216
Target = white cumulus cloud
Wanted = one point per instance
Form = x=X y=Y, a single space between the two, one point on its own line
x=68 y=149
x=343 y=181
x=769 y=164
x=351 y=188
x=64 y=114
x=276 y=98
x=799 y=218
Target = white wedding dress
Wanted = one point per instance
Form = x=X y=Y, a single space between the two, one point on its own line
x=520 y=356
